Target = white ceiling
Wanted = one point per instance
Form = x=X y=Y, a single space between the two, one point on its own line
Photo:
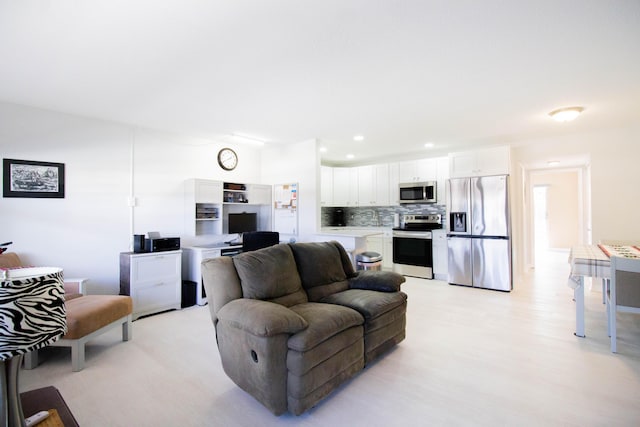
x=402 y=73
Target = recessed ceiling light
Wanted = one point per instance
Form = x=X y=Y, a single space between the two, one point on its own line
x=429 y=145
x=323 y=149
x=566 y=114
x=350 y=156
x=552 y=163
x=358 y=138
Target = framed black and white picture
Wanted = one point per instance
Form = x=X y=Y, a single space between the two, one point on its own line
x=29 y=178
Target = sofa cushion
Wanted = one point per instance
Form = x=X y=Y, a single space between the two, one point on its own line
x=370 y=304
x=270 y=274
x=321 y=268
x=325 y=321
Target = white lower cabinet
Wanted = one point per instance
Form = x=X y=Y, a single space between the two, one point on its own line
x=440 y=255
x=152 y=280
x=387 y=244
x=382 y=244
x=374 y=244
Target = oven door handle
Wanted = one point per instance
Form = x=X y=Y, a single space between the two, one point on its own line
x=413 y=234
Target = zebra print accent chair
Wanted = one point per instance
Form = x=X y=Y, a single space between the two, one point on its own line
x=32 y=315
x=85 y=316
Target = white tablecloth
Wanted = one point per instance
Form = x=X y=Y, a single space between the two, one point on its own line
x=588 y=261
x=593 y=261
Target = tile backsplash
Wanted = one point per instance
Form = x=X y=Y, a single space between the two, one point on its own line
x=380 y=216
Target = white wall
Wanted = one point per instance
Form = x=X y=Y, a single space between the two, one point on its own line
x=563 y=206
x=297 y=163
x=85 y=232
x=614 y=155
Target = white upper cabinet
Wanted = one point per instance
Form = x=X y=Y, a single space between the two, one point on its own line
x=443 y=175
x=353 y=187
x=340 y=186
x=418 y=170
x=326 y=186
x=373 y=185
x=394 y=184
x=378 y=185
x=207 y=191
x=382 y=184
x=494 y=161
x=483 y=162
x=203 y=207
x=259 y=194
x=366 y=185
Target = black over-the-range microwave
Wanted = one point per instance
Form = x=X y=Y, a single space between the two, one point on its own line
x=418 y=192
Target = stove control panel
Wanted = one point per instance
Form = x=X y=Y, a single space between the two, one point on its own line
x=422 y=219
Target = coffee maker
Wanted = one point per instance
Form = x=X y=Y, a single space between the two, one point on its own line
x=337 y=218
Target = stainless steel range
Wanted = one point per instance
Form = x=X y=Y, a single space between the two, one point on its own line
x=412 y=245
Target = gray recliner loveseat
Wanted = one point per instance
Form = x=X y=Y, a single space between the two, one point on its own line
x=294 y=321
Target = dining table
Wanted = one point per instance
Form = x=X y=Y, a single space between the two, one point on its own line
x=593 y=261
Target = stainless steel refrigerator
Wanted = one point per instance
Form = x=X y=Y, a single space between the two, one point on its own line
x=479 y=232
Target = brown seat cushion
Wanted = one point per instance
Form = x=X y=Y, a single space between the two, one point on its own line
x=91 y=312
x=325 y=321
x=370 y=304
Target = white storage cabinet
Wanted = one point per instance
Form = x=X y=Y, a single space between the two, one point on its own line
x=152 y=280
x=203 y=207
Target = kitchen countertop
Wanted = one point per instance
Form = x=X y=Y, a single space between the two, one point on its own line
x=353 y=231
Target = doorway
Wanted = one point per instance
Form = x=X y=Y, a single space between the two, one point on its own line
x=559 y=213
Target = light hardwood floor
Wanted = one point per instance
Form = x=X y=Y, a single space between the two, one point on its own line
x=471 y=357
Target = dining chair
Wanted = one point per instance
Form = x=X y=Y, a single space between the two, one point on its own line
x=624 y=292
x=614 y=242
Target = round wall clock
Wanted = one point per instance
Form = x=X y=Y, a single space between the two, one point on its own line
x=227 y=159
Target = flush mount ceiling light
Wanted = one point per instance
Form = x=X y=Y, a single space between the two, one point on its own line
x=350 y=156
x=358 y=138
x=323 y=149
x=429 y=145
x=566 y=114
x=552 y=163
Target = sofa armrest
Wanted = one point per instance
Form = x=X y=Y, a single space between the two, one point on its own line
x=261 y=318
x=383 y=281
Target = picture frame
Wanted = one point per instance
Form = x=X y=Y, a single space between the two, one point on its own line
x=33 y=179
